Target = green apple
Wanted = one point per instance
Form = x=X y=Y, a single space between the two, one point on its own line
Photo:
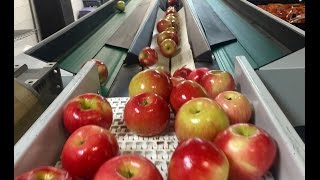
x=121 y=5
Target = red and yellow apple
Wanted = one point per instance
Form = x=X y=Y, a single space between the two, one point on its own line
x=148 y=56
x=85 y=109
x=102 y=71
x=45 y=172
x=196 y=159
x=147 y=114
x=236 y=106
x=168 y=48
x=163 y=24
x=200 y=117
x=217 y=81
x=250 y=150
x=87 y=149
x=197 y=74
x=167 y=35
x=182 y=72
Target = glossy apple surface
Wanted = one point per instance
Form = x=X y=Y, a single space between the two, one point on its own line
x=87 y=149
x=185 y=91
x=146 y=114
x=133 y=167
x=172 y=2
x=121 y=6
x=151 y=81
x=163 y=24
x=182 y=72
x=171 y=10
x=167 y=35
x=148 y=56
x=197 y=74
x=236 y=106
x=88 y=108
x=102 y=71
x=200 y=117
x=168 y=48
x=217 y=81
x=45 y=172
x=250 y=150
x=196 y=159
x=176 y=80
x=163 y=70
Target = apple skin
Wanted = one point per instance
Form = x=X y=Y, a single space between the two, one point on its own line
x=173 y=29
x=197 y=74
x=121 y=6
x=217 y=81
x=85 y=109
x=182 y=72
x=130 y=166
x=236 y=106
x=171 y=10
x=163 y=70
x=176 y=80
x=198 y=159
x=44 y=172
x=172 y=2
x=167 y=35
x=250 y=150
x=200 y=117
x=152 y=81
x=168 y=48
x=102 y=71
x=163 y=24
x=147 y=114
x=148 y=56
x=185 y=91
x=87 y=149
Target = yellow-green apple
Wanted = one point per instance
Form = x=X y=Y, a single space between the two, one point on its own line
x=182 y=72
x=148 y=56
x=185 y=91
x=200 y=117
x=163 y=24
x=197 y=74
x=46 y=173
x=130 y=166
x=87 y=149
x=167 y=35
x=236 y=106
x=174 y=21
x=196 y=159
x=152 y=81
x=147 y=114
x=121 y=5
x=250 y=150
x=87 y=108
x=217 y=81
x=102 y=71
x=172 y=2
x=168 y=48
x=172 y=29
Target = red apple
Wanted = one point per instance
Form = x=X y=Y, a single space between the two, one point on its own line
x=148 y=56
x=102 y=71
x=217 y=81
x=182 y=72
x=152 y=81
x=200 y=117
x=172 y=2
x=185 y=91
x=87 y=149
x=197 y=74
x=133 y=167
x=88 y=108
x=45 y=172
x=146 y=114
x=196 y=159
x=250 y=150
x=163 y=24
x=167 y=35
x=168 y=48
x=236 y=106
x=176 y=80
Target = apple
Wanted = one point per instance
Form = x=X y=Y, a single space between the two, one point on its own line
x=196 y=159
x=185 y=91
x=217 y=81
x=200 y=117
x=176 y=80
x=236 y=106
x=172 y=2
x=146 y=114
x=171 y=10
x=172 y=29
x=102 y=71
x=152 y=81
x=167 y=35
x=250 y=150
x=87 y=149
x=163 y=70
x=88 y=108
x=197 y=74
x=168 y=48
x=148 y=56
x=163 y=24
x=45 y=172
x=121 y=5
x=182 y=72
x=133 y=166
